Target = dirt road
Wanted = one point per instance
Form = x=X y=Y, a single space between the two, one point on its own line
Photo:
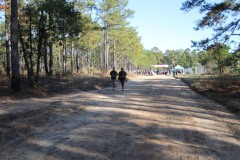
x=155 y=118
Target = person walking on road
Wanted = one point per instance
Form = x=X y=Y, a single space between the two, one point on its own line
x=114 y=75
x=122 y=77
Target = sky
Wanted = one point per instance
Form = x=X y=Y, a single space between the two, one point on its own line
x=161 y=23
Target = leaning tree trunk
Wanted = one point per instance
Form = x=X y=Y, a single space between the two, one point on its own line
x=16 y=78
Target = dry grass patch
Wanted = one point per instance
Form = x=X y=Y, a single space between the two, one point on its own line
x=223 y=89
x=56 y=85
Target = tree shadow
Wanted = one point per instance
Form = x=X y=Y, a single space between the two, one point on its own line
x=143 y=122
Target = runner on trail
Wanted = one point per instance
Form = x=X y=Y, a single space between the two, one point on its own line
x=114 y=75
x=122 y=77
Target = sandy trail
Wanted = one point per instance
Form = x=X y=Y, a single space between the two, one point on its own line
x=155 y=118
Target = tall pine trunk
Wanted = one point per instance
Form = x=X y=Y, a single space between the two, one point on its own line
x=114 y=54
x=77 y=62
x=39 y=47
x=31 y=43
x=59 y=60
x=27 y=64
x=106 y=49
x=45 y=55
x=101 y=58
x=64 y=49
x=64 y=57
x=16 y=78
x=8 y=51
x=51 y=58
x=72 y=57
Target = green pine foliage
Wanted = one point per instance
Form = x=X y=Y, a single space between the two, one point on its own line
x=59 y=37
x=222 y=17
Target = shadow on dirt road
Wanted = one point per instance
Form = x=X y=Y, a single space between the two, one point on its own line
x=154 y=118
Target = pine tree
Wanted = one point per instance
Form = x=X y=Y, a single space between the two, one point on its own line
x=16 y=78
x=222 y=17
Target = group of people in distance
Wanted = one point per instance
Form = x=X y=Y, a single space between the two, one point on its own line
x=121 y=77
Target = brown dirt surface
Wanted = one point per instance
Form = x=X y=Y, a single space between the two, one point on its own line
x=154 y=118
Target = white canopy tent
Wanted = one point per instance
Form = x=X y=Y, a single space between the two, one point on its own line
x=161 y=65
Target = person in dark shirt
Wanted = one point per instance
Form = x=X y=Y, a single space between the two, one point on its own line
x=113 y=75
x=122 y=77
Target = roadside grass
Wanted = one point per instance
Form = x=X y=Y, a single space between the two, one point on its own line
x=55 y=85
x=59 y=85
x=222 y=89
